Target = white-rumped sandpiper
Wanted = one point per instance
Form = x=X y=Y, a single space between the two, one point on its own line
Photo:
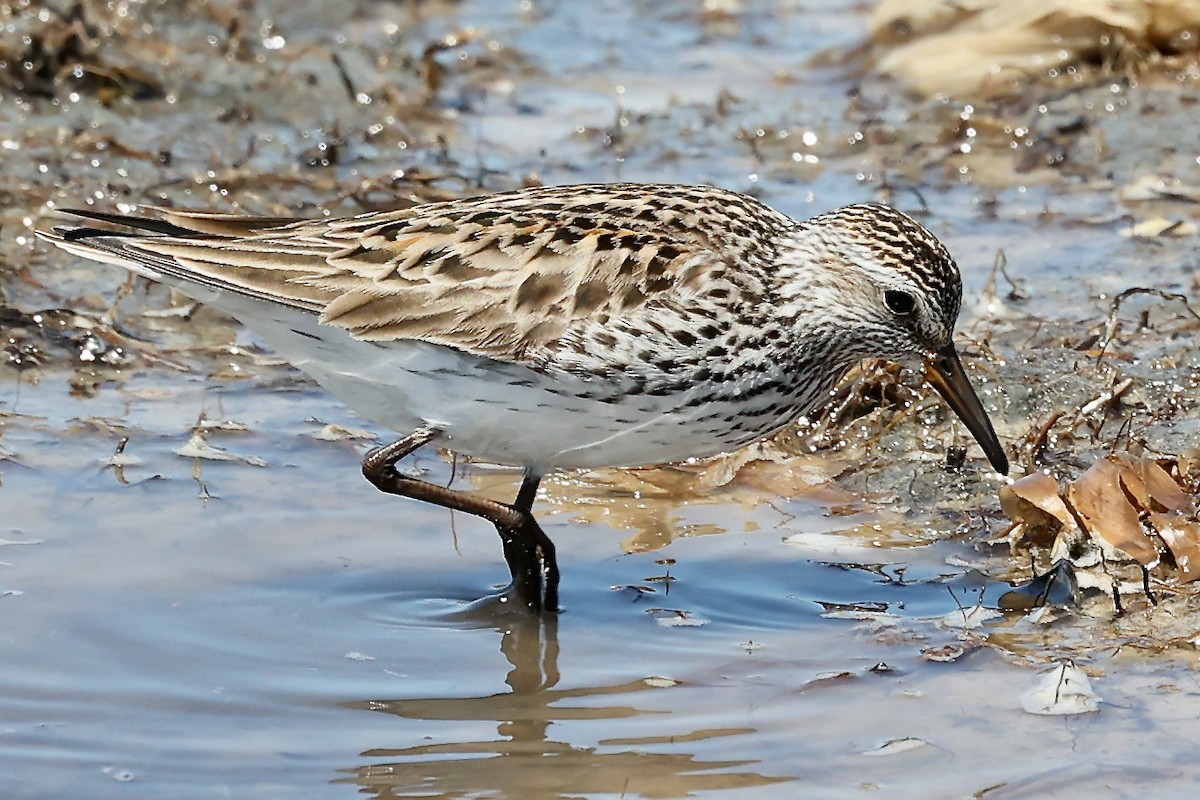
x=577 y=326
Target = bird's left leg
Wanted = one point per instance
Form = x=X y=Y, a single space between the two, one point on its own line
x=527 y=549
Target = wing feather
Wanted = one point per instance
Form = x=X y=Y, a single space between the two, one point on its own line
x=505 y=276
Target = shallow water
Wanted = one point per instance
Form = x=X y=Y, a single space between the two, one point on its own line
x=295 y=633
x=272 y=626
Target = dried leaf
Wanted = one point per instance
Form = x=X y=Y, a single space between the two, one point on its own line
x=1165 y=491
x=896 y=746
x=1040 y=491
x=223 y=425
x=944 y=654
x=1182 y=537
x=339 y=433
x=967 y=618
x=1188 y=466
x=1062 y=691
x=660 y=682
x=985 y=47
x=1159 y=187
x=825 y=680
x=1131 y=479
x=198 y=447
x=1098 y=497
x=1034 y=502
x=1160 y=226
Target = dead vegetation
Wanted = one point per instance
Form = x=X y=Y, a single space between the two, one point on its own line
x=996 y=48
x=81 y=46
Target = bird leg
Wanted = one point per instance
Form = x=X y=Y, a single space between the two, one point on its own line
x=527 y=549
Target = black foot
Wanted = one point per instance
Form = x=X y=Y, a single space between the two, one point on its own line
x=532 y=563
x=527 y=549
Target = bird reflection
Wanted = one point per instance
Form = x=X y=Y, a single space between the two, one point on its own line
x=522 y=760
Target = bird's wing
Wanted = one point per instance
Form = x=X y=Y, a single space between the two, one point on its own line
x=504 y=275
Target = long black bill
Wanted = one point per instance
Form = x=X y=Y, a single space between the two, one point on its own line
x=945 y=373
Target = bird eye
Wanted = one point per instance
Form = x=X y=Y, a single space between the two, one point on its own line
x=898 y=302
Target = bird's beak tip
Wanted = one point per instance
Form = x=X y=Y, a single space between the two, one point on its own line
x=945 y=372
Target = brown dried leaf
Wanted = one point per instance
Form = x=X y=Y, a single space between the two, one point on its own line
x=1165 y=491
x=1098 y=497
x=1182 y=536
x=1034 y=502
x=1131 y=479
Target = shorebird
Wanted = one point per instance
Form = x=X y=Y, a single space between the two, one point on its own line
x=603 y=325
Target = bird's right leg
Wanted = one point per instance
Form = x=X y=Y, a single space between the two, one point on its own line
x=525 y=544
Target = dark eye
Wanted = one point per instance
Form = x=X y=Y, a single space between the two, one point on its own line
x=898 y=302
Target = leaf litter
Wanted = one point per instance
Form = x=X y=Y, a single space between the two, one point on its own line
x=1133 y=511
x=1062 y=691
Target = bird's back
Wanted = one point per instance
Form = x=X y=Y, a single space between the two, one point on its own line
x=571 y=326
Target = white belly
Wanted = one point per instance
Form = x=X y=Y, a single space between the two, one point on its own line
x=491 y=410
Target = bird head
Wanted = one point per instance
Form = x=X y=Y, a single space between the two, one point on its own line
x=880 y=285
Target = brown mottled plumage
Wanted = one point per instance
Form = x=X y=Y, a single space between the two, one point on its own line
x=578 y=326
x=500 y=276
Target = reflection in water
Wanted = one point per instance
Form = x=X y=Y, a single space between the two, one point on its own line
x=646 y=502
x=523 y=761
